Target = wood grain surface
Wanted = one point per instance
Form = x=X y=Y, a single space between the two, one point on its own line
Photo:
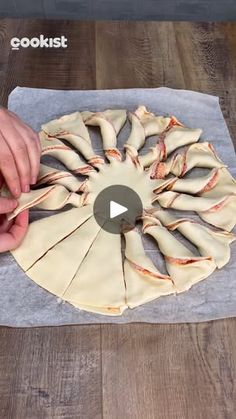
x=185 y=371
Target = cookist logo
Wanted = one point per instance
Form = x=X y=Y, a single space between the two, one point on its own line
x=39 y=42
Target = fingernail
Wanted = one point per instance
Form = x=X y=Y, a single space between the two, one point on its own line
x=16 y=192
x=33 y=180
x=26 y=189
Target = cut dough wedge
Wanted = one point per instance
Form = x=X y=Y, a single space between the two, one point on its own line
x=43 y=234
x=50 y=198
x=215 y=184
x=58 y=150
x=209 y=243
x=196 y=155
x=72 y=129
x=110 y=122
x=99 y=282
x=50 y=176
x=177 y=136
x=185 y=268
x=143 y=280
x=143 y=125
x=57 y=269
x=220 y=212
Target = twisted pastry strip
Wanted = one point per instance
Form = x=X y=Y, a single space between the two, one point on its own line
x=50 y=176
x=57 y=149
x=220 y=212
x=209 y=242
x=110 y=122
x=72 y=129
x=143 y=125
x=217 y=183
x=174 y=136
x=185 y=268
x=196 y=155
x=142 y=279
x=50 y=198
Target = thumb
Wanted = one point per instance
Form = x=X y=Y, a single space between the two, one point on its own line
x=1 y=180
x=7 y=205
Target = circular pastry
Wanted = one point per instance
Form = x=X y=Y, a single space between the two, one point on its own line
x=72 y=256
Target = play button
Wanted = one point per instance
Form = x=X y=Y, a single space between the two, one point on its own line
x=117 y=209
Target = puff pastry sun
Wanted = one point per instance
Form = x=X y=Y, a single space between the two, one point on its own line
x=71 y=256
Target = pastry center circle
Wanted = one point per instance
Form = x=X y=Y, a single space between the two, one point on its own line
x=122 y=173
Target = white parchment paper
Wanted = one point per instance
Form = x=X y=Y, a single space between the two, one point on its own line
x=23 y=303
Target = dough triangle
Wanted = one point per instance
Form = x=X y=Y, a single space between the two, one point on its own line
x=50 y=176
x=50 y=198
x=215 y=184
x=99 y=282
x=72 y=129
x=110 y=122
x=143 y=125
x=57 y=268
x=143 y=280
x=209 y=242
x=196 y=155
x=224 y=185
x=43 y=234
x=68 y=157
x=185 y=268
x=220 y=212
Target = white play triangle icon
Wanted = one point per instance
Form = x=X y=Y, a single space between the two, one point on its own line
x=116 y=209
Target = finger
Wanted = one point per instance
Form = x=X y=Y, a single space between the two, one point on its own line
x=8 y=169
x=34 y=154
x=4 y=224
x=31 y=141
x=7 y=205
x=31 y=133
x=1 y=180
x=13 y=238
x=20 y=153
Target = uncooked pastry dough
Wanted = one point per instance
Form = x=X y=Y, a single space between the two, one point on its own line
x=69 y=255
x=50 y=198
x=53 y=147
x=50 y=176
x=220 y=212
x=217 y=183
x=184 y=267
x=143 y=280
x=197 y=155
x=172 y=135
x=72 y=129
x=208 y=242
x=110 y=122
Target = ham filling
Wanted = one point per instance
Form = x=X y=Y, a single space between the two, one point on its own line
x=185 y=261
x=218 y=206
x=84 y=170
x=175 y=224
x=96 y=160
x=146 y=272
x=211 y=183
x=56 y=147
x=113 y=153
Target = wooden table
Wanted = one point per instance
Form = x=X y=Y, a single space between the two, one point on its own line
x=184 y=371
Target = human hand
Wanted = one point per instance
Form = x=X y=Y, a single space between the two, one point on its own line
x=11 y=232
x=19 y=153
